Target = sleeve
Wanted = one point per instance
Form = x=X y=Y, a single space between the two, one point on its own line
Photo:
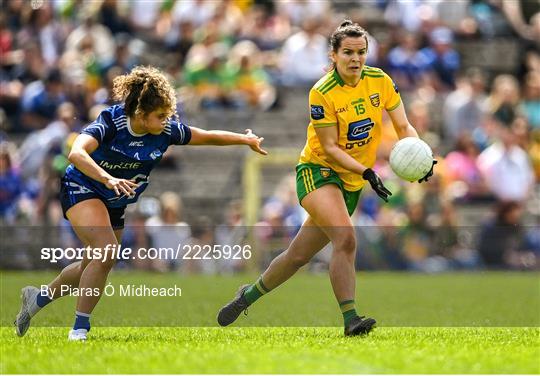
x=392 y=98
x=180 y=133
x=102 y=129
x=322 y=113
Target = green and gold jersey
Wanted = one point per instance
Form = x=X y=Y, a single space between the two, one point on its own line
x=357 y=114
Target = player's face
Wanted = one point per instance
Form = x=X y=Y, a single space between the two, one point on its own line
x=155 y=121
x=350 y=58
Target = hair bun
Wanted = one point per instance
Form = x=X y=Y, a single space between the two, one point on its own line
x=346 y=23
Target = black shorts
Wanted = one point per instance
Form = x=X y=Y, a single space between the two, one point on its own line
x=72 y=193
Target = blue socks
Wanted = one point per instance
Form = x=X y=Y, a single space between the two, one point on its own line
x=42 y=300
x=82 y=321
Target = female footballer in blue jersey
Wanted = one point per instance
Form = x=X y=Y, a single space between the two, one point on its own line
x=110 y=163
x=342 y=138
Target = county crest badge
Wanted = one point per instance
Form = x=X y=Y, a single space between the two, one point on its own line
x=375 y=100
x=325 y=172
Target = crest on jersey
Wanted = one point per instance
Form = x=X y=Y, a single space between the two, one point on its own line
x=155 y=154
x=375 y=100
x=325 y=172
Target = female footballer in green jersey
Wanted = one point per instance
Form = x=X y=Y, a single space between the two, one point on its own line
x=343 y=134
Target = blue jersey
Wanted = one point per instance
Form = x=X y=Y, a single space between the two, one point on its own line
x=124 y=154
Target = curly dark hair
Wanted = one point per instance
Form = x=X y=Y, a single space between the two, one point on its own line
x=144 y=90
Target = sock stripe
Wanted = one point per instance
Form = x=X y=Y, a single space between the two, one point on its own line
x=346 y=302
x=260 y=288
x=347 y=307
x=82 y=314
x=260 y=282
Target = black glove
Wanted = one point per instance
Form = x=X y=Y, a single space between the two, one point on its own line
x=376 y=184
x=429 y=174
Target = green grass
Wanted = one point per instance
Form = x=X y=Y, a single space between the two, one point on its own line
x=449 y=323
x=274 y=350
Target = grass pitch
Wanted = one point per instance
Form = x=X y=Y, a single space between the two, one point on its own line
x=450 y=323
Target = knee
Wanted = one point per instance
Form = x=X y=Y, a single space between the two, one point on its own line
x=104 y=265
x=345 y=243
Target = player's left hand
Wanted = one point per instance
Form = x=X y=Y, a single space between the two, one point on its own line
x=376 y=184
x=254 y=142
x=429 y=174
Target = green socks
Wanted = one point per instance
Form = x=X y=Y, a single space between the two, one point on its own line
x=348 y=310
x=255 y=291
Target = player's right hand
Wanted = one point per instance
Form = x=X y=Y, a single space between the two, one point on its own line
x=377 y=184
x=121 y=186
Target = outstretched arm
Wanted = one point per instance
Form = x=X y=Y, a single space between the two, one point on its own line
x=221 y=138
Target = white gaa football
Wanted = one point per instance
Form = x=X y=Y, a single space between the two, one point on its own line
x=411 y=158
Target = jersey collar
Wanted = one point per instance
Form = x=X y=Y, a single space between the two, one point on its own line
x=338 y=78
x=131 y=131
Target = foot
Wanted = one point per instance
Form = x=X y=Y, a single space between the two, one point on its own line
x=359 y=325
x=229 y=313
x=77 y=335
x=28 y=309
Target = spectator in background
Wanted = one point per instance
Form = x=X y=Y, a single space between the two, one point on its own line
x=91 y=34
x=465 y=181
x=232 y=233
x=40 y=25
x=464 y=109
x=109 y=15
x=304 y=55
x=440 y=58
x=41 y=99
x=297 y=11
x=204 y=77
x=247 y=85
x=136 y=236
x=502 y=237
x=416 y=238
x=180 y=39
x=506 y=168
x=201 y=241
x=530 y=103
x=167 y=230
x=39 y=143
x=503 y=99
x=11 y=186
x=196 y=12
x=447 y=242
x=404 y=62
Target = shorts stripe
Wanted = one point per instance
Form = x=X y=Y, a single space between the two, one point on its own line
x=305 y=181
x=311 y=178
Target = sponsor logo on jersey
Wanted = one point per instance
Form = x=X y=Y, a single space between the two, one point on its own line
x=136 y=143
x=359 y=106
x=359 y=130
x=375 y=100
x=317 y=112
x=342 y=109
x=359 y=133
x=120 y=165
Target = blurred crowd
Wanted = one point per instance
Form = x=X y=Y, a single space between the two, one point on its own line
x=58 y=59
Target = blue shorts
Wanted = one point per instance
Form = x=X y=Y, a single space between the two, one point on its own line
x=72 y=193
